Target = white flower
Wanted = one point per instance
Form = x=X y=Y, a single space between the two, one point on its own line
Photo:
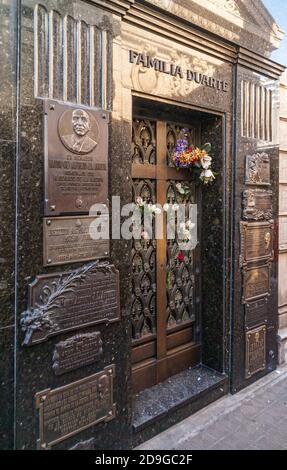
x=166 y=207
x=187 y=234
x=207 y=176
x=182 y=225
x=180 y=188
x=157 y=211
x=175 y=207
x=206 y=162
x=140 y=201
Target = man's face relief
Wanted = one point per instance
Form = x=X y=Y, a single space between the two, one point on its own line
x=81 y=122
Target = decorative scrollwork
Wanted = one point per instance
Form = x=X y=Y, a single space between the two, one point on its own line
x=143 y=310
x=180 y=274
x=143 y=142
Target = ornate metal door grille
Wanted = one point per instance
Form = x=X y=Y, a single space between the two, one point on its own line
x=164 y=312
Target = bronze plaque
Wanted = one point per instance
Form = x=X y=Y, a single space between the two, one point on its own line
x=258 y=169
x=76 y=158
x=68 y=410
x=256 y=313
x=256 y=282
x=258 y=204
x=75 y=239
x=256 y=241
x=78 y=351
x=62 y=302
x=255 y=351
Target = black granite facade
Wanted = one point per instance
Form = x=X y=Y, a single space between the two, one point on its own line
x=25 y=81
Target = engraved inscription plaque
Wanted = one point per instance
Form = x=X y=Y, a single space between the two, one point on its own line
x=62 y=302
x=258 y=169
x=76 y=158
x=256 y=282
x=258 y=204
x=73 y=239
x=68 y=410
x=255 y=351
x=78 y=351
x=256 y=241
x=256 y=313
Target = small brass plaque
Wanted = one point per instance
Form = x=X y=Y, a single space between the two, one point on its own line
x=256 y=313
x=68 y=410
x=76 y=158
x=256 y=241
x=74 y=239
x=256 y=282
x=258 y=204
x=255 y=351
x=77 y=351
x=63 y=302
x=258 y=169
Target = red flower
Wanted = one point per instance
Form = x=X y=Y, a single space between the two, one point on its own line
x=190 y=149
x=180 y=257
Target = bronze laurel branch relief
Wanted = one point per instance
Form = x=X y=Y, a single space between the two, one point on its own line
x=59 y=302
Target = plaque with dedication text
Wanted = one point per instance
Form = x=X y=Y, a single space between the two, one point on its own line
x=256 y=241
x=68 y=410
x=258 y=204
x=255 y=351
x=78 y=351
x=256 y=282
x=258 y=169
x=75 y=239
x=76 y=158
x=256 y=313
x=68 y=301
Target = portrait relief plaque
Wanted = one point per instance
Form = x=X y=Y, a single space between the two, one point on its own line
x=73 y=239
x=63 y=302
x=255 y=351
x=78 y=351
x=256 y=282
x=258 y=169
x=258 y=204
x=76 y=158
x=256 y=313
x=256 y=241
x=68 y=410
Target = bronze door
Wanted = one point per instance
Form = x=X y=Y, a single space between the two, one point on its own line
x=166 y=300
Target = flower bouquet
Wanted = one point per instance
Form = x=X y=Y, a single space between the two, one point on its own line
x=189 y=157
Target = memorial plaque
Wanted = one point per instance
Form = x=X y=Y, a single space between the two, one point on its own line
x=256 y=241
x=258 y=204
x=78 y=351
x=256 y=313
x=68 y=410
x=256 y=282
x=258 y=169
x=76 y=158
x=75 y=239
x=63 y=302
x=255 y=351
